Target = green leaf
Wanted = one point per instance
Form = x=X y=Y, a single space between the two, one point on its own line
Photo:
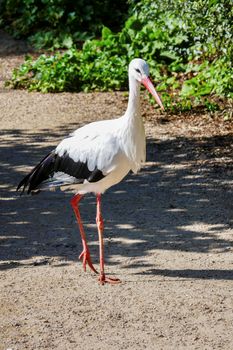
x=67 y=42
x=169 y=54
x=106 y=32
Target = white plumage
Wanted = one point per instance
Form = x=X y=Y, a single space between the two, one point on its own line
x=98 y=156
x=108 y=146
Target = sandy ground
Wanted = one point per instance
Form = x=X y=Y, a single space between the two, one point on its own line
x=168 y=233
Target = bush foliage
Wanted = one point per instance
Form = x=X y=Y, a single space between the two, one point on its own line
x=60 y=23
x=188 y=45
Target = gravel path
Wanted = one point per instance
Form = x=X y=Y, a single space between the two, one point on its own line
x=168 y=234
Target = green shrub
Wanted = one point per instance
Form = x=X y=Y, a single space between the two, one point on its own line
x=60 y=23
x=188 y=45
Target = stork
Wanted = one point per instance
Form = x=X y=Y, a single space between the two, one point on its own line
x=96 y=157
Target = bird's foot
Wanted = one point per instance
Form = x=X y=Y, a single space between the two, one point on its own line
x=103 y=279
x=86 y=258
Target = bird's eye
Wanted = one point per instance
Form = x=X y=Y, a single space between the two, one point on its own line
x=137 y=70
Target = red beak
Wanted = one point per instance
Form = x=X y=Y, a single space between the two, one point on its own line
x=150 y=87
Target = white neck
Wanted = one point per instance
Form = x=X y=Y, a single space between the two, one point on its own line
x=133 y=133
x=133 y=109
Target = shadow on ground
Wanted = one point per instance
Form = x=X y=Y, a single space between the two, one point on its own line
x=12 y=47
x=179 y=189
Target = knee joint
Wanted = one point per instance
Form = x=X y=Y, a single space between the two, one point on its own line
x=100 y=222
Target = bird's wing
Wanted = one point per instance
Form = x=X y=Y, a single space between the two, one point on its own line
x=88 y=154
x=93 y=145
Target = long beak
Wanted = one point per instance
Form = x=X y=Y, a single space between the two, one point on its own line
x=150 y=87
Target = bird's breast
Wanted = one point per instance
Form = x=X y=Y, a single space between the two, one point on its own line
x=133 y=142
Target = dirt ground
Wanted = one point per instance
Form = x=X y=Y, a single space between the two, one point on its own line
x=168 y=232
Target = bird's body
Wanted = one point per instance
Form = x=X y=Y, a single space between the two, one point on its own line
x=107 y=147
x=97 y=155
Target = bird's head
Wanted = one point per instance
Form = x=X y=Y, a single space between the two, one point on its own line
x=139 y=69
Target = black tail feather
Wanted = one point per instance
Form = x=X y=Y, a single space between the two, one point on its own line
x=42 y=171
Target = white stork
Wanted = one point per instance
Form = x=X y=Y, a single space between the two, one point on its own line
x=96 y=157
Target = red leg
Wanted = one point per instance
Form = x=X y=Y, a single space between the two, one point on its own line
x=100 y=224
x=85 y=255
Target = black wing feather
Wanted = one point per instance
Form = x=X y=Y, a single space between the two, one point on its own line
x=53 y=163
